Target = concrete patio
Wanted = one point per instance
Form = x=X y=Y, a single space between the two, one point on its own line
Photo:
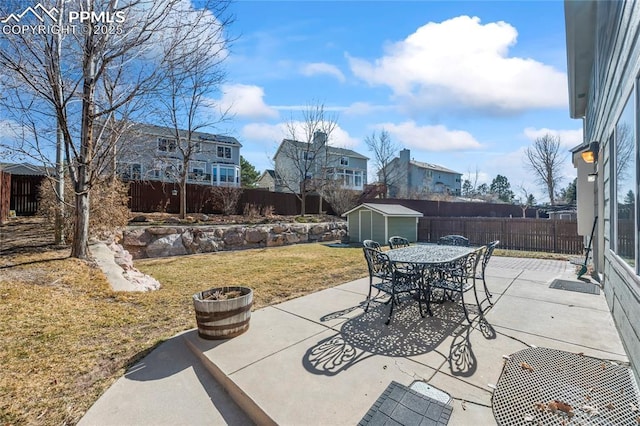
x=320 y=359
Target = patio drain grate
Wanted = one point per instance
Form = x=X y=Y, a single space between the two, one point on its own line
x=540 y=386
x=578 y=286
x=400 y=405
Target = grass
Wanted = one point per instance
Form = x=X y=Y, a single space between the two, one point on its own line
x=65 y=337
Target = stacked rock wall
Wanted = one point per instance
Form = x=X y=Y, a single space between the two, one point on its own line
x=162 y=241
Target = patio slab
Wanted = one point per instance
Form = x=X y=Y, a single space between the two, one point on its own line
x=320 y=359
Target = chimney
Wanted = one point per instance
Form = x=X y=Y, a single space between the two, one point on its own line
x=319 y=138
x=405 y=156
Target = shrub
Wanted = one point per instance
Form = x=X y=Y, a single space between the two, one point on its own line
x=108 y=209
x=225 y=199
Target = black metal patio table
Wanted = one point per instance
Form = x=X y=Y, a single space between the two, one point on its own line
x=430 y=259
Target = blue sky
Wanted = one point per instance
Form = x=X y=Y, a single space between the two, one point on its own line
x=467 y=85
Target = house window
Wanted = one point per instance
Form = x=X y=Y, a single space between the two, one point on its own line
x=307 y=156
x=344 y=161
x=198 y=170
x=130 y=171
x=349 y=178
x=624 y=174
x=227 y=175
x=167 y=145
x=224 y=152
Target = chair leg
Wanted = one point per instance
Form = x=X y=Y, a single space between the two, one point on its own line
x=464 y=307
x=393 y=302
x=486 y=289
x=369 y=296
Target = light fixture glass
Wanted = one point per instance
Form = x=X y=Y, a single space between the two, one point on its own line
x=588 y=156
x=591 y=177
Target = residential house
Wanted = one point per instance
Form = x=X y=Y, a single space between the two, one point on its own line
x=152 y=153
x=267 y=180
x=408 y=178
x=317 y=161
x=604 y=91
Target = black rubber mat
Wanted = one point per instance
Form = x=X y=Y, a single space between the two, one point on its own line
x=400 y=405
x=578 y=286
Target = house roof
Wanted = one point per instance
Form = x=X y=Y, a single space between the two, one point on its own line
x=580 y=29
x=435 y=167
x=169 y=132
x=331 y=149
x=268 y=172
x=25 y=169
x=387 y=210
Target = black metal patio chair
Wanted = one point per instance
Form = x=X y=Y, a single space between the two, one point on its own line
x=458 y=277
x=372 y=244
x=485 y=260
x=397 y=242
x=453 y=240
x=385 y=276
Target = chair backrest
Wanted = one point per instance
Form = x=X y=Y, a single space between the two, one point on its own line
x=397 y=242
x=378 y=262
x=488 y=252
x=453 y=240
x=371 y=244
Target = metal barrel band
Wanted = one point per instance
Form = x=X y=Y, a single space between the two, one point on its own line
x=215 y=316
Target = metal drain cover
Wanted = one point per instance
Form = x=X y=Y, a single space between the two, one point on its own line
x=541 y=386
x=578 y=286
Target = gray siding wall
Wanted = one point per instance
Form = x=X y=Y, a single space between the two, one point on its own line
x=378 y=228
x=617 y=64
x=354 y=226
x=406 y=227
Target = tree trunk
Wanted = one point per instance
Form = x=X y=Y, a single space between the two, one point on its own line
x=183 y=197
x=80 y=246
x=303 y=199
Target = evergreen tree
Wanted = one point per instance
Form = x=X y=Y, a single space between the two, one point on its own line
x=249 y=174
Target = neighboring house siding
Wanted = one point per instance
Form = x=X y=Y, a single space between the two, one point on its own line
x=414 y=179
x=343 y=165
x=613 y=78
x=151 y=153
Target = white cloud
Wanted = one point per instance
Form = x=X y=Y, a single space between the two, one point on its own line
x=319 y=68
x=245 y=101
x=430 y=138
x=274 y=133
x=568 y=138
x=460 y=63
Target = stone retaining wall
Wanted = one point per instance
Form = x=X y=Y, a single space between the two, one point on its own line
x=162 y=241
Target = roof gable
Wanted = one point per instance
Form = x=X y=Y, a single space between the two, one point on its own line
x=387 y=210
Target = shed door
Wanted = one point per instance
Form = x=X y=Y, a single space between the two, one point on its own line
x=365 y=225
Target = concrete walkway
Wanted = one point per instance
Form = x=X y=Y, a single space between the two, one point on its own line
x=320 y=359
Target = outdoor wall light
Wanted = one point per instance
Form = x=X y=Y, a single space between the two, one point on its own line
x=591 y=155
x=591 y=177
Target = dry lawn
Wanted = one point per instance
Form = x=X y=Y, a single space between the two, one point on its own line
x=65 y=337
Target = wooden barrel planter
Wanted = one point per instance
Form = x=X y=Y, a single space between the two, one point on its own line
x=223 y=312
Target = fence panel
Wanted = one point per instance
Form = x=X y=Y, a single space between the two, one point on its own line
x=545 y=235
x=146 y=197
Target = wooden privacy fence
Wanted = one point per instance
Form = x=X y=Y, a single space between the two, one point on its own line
x=146 y=197
x=5 y=196
x=545 y=235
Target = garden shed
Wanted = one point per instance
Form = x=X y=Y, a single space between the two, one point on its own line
x=378 y=222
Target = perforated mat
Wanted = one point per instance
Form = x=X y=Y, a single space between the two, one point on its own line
x=540 y=386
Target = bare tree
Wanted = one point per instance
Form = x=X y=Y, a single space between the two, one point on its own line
x=190 y=80
x=76 y=82
x=384 y=151
x=303 y=161
x=526 y=200
x=545 y=160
